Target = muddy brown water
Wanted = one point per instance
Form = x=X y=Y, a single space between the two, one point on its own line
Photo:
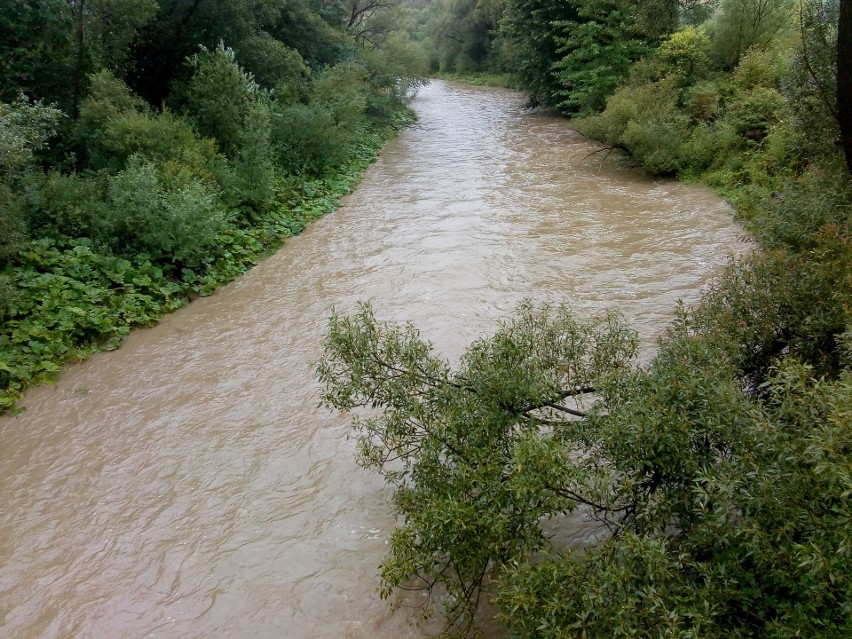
x=188 y=485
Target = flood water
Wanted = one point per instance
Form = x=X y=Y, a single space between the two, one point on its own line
x=188 y=484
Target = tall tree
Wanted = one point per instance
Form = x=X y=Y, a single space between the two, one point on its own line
x=463 y=33
x=571 y=53
x=844 y=78
x=37 y=50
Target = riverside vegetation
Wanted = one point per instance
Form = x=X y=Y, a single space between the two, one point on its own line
x=153 y=150
x=720 y=472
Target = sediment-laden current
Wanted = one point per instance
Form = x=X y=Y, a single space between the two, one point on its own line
x=188 y=484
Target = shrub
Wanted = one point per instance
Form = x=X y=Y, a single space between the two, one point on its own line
x=8 y=297
x=782 y=303
x=757 y=68
x=169 y=217
x=65 y=205
x=747 y=24
x=108 y=99
x=115 y=125
x=254 y=169
x=753 y=112
x=703 y=101
x=217 y=96
x=644 y=120
x=24 y=131
x=161 y=138
x=656 y=143
x=306 y=139
x=342 y=89
x=687 y=53
x=395 y=69
x=270 y=62
x=699 y=150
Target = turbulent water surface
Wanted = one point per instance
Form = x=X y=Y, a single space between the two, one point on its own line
x=188 y=485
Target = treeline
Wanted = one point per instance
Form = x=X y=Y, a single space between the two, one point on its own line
x=752 y=97
x=152 y=149
x=721 y=472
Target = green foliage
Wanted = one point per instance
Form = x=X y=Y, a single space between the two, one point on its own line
x=59 y=204
x=342 y=90
x=24 y=131
x=572 y=54
x=218 y=95
x=757 y=69
x=811 y=86
x=472 y=471
x=745 y=24
x=646 y=121
x=306 y=140
x=72 y=301
x=8 y=297
x=164 y=212
x=461 y=35
x=761 y=549
x=703 y=101
x=159 y=138
x=113 y=29
x=595 y=49
x=395 y=70
x=532 y=45
x=316 y=29
x=254 y=168
x=68 y=298
x=108 y=100
x=319 y=133
x=754 y=112
x=271 y=62
x=36 y=53
x=727 y=512
x=687 y=51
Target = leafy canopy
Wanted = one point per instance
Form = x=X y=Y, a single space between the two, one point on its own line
x=722 y=513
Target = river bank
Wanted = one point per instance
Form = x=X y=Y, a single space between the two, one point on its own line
x=73 y=299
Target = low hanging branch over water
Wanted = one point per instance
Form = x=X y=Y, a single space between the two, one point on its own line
x=699 y=485
x=477 y=455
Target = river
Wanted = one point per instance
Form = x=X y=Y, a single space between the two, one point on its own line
x=188 y=484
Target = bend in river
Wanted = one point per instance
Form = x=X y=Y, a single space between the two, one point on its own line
x=187 y=484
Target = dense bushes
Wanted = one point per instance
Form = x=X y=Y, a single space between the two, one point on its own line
x=73 y=296
x=746 y=133
x=129 y=204
x=674 y=117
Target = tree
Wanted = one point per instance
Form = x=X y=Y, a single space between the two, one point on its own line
x=360 y=11
x=596 y=50
x=744 y=24
x=844 y=78
x=104 y=30
x=218 y=95
x=467 y=451
x=36 y=51
x=533 y=47
x=463 y=33
x=24 y=131
x=571 y=54
x=722 y=513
